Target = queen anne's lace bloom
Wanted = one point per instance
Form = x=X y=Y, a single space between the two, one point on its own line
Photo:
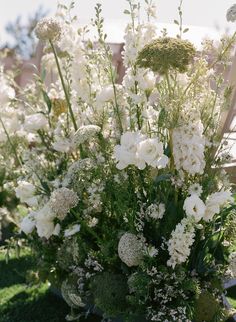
x=61 y=201
x=130 y=250
x=48 y=29
x=85 y=132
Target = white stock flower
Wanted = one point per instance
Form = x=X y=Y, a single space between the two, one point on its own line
x=28 y=223
x=194 y=207
x=231 y=13
x=35 y=122
x=215 y=201
x=151 y=151
x=126 y=153
x=72 y=230
x=25 y=192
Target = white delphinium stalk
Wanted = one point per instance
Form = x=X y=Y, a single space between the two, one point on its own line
x=179 y=245
x=194 y=207
x=214 y=203
x=61 y=201
x=188 y=147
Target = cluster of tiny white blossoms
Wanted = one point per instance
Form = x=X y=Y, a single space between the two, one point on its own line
x=130 y=249
x=189 y=146
x=136 y=149
x=85 y=133
x=156 y=211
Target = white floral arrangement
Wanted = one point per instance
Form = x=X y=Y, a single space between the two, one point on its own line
x=128 y=206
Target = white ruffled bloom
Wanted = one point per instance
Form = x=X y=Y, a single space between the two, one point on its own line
x=194 y=207
x=151 y=151
x=156 y=211
x=28 y=223
x=136 y=149
x=62 y=145
x=231 y=13
x=105 y=94
x=44 y=222
x=72 y=230
x=214 y=203
x=25 y=192
x=35 y=122
x=7 y=92
x=179 y=245
x=195 y=189
x=126 y=152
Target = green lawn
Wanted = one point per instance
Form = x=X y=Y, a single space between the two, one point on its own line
x=22 y=303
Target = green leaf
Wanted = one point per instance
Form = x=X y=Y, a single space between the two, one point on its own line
x=47 y=101
x=176 y=22
x=127 y=12
x=185 y=30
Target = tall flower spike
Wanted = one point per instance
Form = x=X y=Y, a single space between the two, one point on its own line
x=166 y=53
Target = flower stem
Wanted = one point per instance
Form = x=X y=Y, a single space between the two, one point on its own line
x=11 y=144
x=64 y=86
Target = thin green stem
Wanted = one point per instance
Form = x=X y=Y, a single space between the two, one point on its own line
x=64 y=86
x=11 y=144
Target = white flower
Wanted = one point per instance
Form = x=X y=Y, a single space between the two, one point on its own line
x=72 y=231
x=130 y=250
x=48 y=29
x=25 y=192
x=151 y=151
x=44 y=222
x=156 y=211
x=195 y=189
x=35 y=122
x=106 y=94
x=126 y=153
x=215 y=201
x=63 y=145
x=61 y=201
x=194 y=207
x=28 y=223
x=179 y=245
x=231 y=13
x=7 y=93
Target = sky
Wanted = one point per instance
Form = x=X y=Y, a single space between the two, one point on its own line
x=207 y=14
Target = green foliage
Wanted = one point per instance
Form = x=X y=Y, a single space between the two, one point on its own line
x=109 y=291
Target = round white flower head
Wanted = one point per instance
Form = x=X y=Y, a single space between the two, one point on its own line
x=215 y=201
x=194 y=207
x=231 y=13
x=84 y=133
x=48 y=29
x=156 y=211
x=61 y=201
x=130 y=250
x=151 y=151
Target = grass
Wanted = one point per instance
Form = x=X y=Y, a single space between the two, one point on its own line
x=20 y=302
